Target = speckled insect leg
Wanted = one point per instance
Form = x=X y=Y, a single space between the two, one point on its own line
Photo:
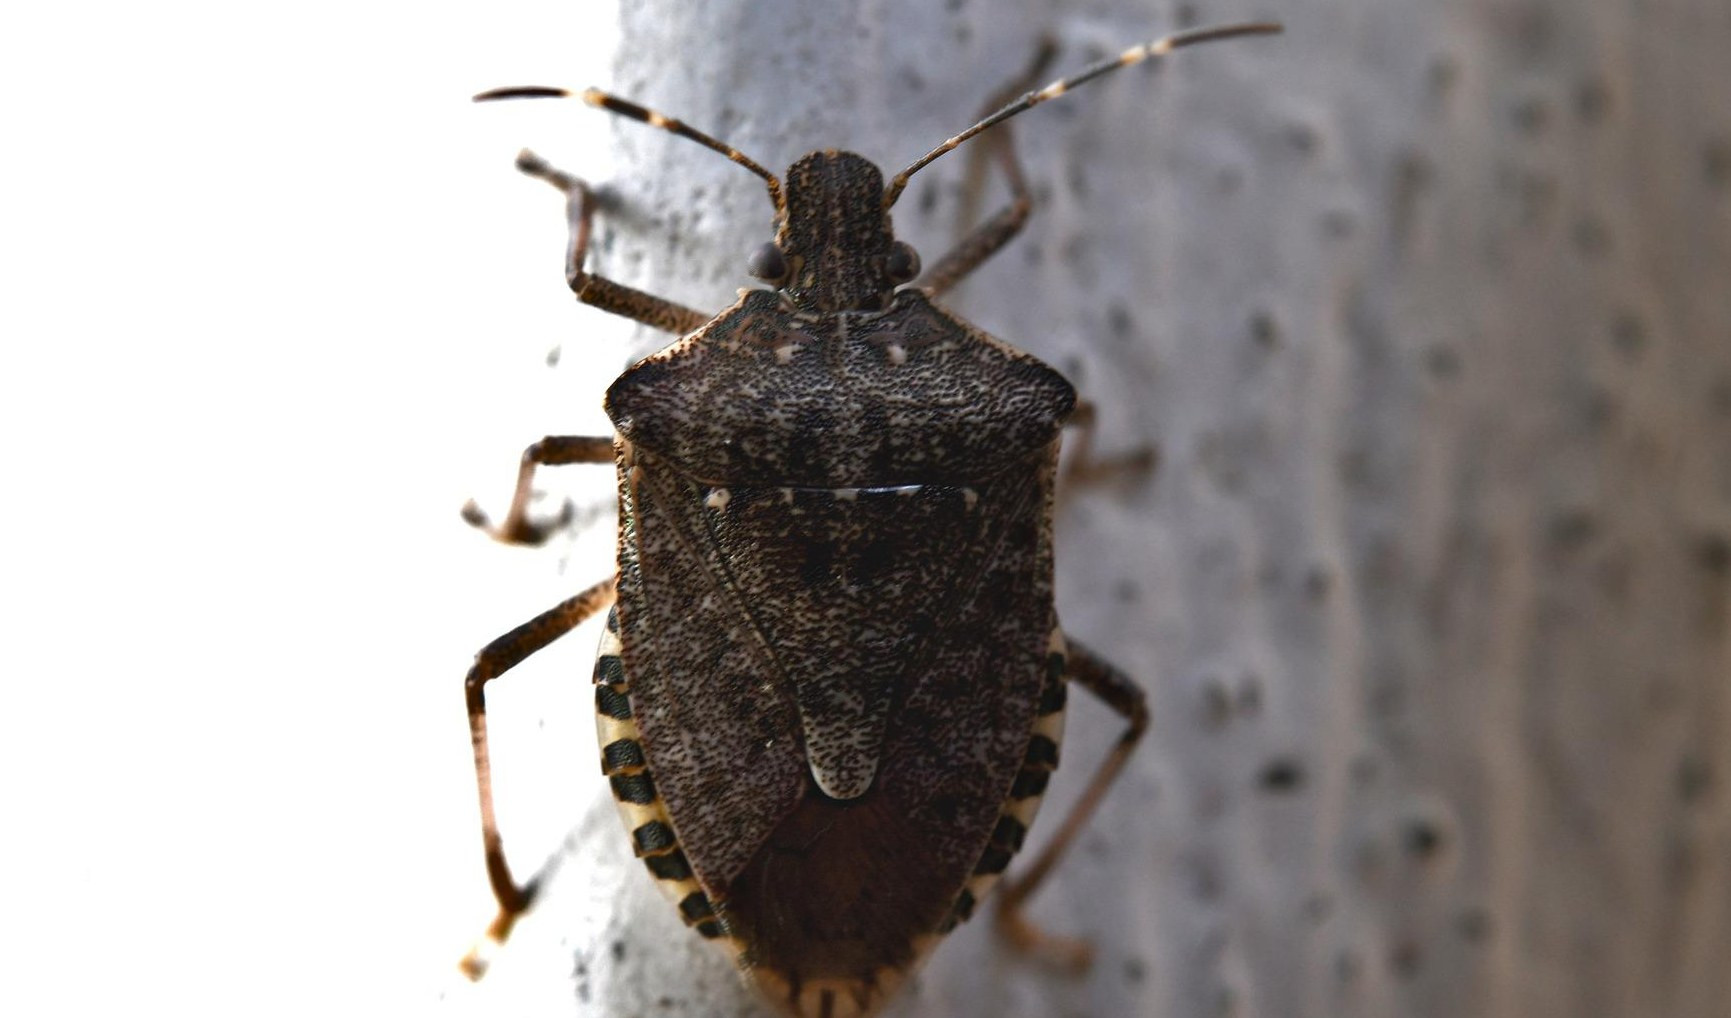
x=1082 y=466
x=1119 y=692
x=598 y=291
x=985 y=240
x=640 y=806
x=554 y=450
x=494 y=660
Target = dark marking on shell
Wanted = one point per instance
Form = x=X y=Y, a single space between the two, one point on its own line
x=609 y=669
x=1029 y=784
x=652 y=837
x=695 y=907
x=1009 y=833
x=1042 y=752
x=635 y=788
x=671 y=866
x=611 y=702
x=621 y=754
x=818 y=567
x=1054 y=696
x=993 y=860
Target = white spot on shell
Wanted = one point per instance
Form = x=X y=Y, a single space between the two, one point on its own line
x=845 y=494
x=718 y=499
x=786 y=496
x=970 y=498
x=898 y=354
x=784 y=354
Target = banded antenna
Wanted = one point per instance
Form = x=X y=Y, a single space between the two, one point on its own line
x=1135 y=55
x=625 y=108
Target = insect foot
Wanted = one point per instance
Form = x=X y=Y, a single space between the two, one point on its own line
x=831 y=686
x=553 y=450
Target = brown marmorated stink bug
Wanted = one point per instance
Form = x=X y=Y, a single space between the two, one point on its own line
x=831 y=687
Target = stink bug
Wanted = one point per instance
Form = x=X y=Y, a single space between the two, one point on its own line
x=832 y=684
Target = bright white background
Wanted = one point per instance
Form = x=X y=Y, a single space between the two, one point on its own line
x=275 y=306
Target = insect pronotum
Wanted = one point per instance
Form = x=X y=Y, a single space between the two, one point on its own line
x=831 y=687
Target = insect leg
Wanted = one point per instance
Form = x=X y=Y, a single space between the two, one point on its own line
x=1081 y=465
x=494 y=660
x=599 y=291
x=1121 y=693
x=554 y=450
x=984 y=240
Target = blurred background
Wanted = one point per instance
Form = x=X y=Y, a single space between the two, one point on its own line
x=1423 y=307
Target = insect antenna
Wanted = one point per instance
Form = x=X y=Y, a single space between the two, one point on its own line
x=1134 y=55
x=626 y=108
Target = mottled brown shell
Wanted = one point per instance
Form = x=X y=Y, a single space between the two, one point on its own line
x=835 y=608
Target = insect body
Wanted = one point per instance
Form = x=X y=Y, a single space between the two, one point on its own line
x=832 y=683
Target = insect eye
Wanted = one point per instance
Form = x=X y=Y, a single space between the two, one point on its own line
x=768 y=264
x=904 y=263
